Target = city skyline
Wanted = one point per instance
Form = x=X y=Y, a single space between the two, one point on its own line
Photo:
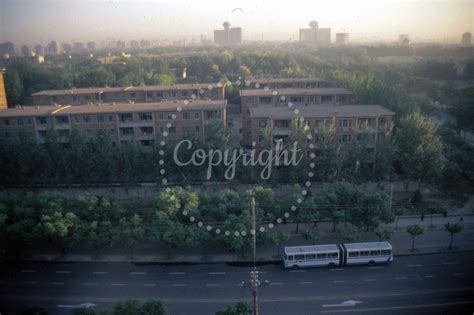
x=29 y=23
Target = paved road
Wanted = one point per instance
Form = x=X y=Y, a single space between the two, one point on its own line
x=410 y=285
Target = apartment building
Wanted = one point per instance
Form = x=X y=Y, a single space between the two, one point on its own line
x=144 y=122
x=274 y=98
x=3 y=94
x=285 y=83
x=137 y=94
x=347 y=123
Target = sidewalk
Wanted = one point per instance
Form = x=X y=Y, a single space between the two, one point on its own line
x=434 y=240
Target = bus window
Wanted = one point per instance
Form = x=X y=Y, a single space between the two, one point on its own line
x=354 y=254
x=322 y=256
x=386 y=252
x=364 y=253
x=290 y=257
x=332 y=255
x=299 y=257
x=375 y=253
x=310 y=256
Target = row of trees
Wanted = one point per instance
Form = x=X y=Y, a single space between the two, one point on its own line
x=180 y=217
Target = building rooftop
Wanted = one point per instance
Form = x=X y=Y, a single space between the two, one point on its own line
x=128 y=88
x=110 y=108
x=283 y=80
x=286 y=92
x=284 y=112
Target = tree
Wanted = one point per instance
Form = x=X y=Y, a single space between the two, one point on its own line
x=58 y=228
x=463 y=108
x=314 y=236
x=127 y=307
x=383 y=234
x=414 y=230
x=371 y=209
x=153 y=307
x=351 y=235
x=277 y=238
x=420 y=150
x=241 y=308
x=96 y=234
x=452 y=229
x=83 y=311
x=131 y=231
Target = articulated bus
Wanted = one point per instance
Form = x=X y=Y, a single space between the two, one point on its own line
x=333 y=255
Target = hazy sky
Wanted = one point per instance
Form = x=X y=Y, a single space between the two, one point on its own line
x=36 y=21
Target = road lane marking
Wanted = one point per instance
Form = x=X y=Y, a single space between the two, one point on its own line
x=450 y=263
x=458 y=274
x=306 y=282
x=150 y=285
x=29 y=282
x=339 y=281
x=212 y=285
x=412 y=266
x=430 y=276
x=388 y=308
x=297 y=270
x=379 y=267
x=370 y=280
x=63 y=271
x=100 y=272
x=58 y=283
x=276 y=283
x=117 y=284
x=217 y=273
x=337 y=269
x=177 y=273
x=137 y=273
x=89 y=283
x=400 y=278
x=179 y=284
x=28 y=271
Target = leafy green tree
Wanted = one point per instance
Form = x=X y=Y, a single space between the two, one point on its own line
x=371 y=209
x=351 y=235
x=383 y=234
x=59 y=228
x=414 y=230
x=96 y=234
x=127 y=307
x=241 y=308
x=131 y=231
x=235 y=240
x=453 y=229
x=153 y=307
x=83 y=311
x=35 y=310
x=420 y=148
x=463 y=109
x=314 y=236
x=277 y=238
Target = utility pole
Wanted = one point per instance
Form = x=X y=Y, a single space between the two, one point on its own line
x=254 y=234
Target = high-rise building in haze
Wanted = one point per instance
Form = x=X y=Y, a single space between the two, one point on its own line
x=134 y=44
x=53 y=48
x=403 y=39
x=39 y=50
x=26 y=51
x=91 y=46
x=315 y=35
x=120 y=44
x=67 y=48
x=228 y=36
x=7 y=50
x=466 y=39
x=145 y=44
x=79 y=48
x=342 y=38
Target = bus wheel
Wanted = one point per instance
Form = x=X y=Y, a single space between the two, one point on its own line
x=332 y=265
x=371 y=263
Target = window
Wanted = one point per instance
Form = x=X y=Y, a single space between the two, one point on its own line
x=196 y=115
x=172 y=130
x=345 y=138
x=282 y=123
x=382 y=121
x=386 y=252
x=87 y=97
x=186 y=116
x=212 y=114
x=266 y=100
x=170 y=117
x=133 y=95
x=262 y=123
x=353 y=254
x=332 y=255
x=380 y=136
x=261 y=139
x=111 y=118
x=296 y=99
x=100 y=119
x=322 y=256
x=345 y=123
x=20 y=122
x=63 y=132
x=290 y=257
x=299 y=257
x=6 y=122
x=161 y=116
x=375 y=253
x=62 y=119
x=126 y=117
x=149 y=94
x=8 y=135
x=88 y=132
x=364 y=253
x=77 y=120
x=126 y=131
x=326 y=99
x=86 y=119
x=146 y=130
x=197 y=129
x=310 y=256
x=184 y=93
x=42 y=120
x=343 y=99
x=147 y=143
x=146 y=117
x=312 y=99
x=159 y=94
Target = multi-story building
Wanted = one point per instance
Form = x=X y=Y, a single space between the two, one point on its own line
x=145 y=123
x=53 y=48
x=315 y=35
x=342 y=38
x=137 y=94
x=26 y=51
x=91 y=46
x=346 y=123
x=7 y=50
x=39 y=50
x=466 y=39
x=271 y=99
x=3 y=94
x=284 y=83
x=229 y=36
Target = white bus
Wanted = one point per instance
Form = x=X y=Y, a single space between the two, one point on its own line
x=367 y=253
x=312 y=256
x=333 y=255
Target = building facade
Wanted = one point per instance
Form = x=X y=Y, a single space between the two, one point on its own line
x=146 y=123
x=138 y=94
x=315 y=35
x=228 y=36
x=3 y=94
x=342 y=38
x=285 y=98
x=285 y=83
x=346 y=123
